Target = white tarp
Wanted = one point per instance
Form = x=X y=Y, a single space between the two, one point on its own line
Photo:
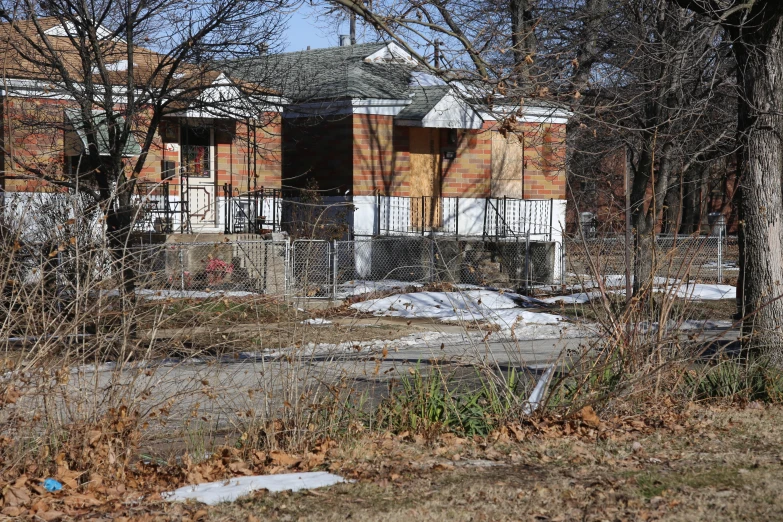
x=231 y=489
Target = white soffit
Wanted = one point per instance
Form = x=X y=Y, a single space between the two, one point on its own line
x=531 y=114
x=391 y=53
x=379 y=107
x=449 y=113
x=70 y=29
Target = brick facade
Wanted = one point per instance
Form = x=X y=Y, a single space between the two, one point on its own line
x=544 y=169
x=381 y=159
x=34 y=138
x=469 y=174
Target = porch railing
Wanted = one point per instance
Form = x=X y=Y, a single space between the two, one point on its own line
x=160 y=209
x=511 y=217
x=497 y=218
x=399 y=215
x=251 y=212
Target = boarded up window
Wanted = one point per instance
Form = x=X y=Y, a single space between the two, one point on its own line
x=507 y=165
x=425 y=178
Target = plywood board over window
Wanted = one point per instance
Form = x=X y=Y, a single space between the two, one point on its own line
x=508 y=154
x=425 y=178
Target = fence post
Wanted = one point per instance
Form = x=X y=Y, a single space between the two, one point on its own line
x=378 y=214
x=456 y=217
x=335 y=257
x=181 y=269
x=226 y=208
x=287 y=268
x=720 y=255
x=562 y=261
x=527 y=261
x=551 y=216
x=423 y=216
x=433 y=271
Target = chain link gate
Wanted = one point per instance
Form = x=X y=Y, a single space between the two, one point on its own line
x=312 y=268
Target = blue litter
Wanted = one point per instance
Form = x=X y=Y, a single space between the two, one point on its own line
x=52 y=485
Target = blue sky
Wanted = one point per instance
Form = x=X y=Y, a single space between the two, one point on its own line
x=303 y=31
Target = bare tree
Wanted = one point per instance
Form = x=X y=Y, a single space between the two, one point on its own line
x=756 y=30
x=119 y=68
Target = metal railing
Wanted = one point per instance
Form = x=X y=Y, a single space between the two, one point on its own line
x=161 y=209
x=511 y=217
x=399 y=215
x=252 y=212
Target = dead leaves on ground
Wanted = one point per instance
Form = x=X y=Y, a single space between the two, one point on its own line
x=100 y=487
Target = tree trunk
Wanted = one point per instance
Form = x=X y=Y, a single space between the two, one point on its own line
x=760 y=127
x=523 y=39
x=691 y=201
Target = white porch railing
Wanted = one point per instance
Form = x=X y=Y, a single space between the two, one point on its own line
x=487 y=217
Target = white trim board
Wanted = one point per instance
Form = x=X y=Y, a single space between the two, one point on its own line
x=372 y=106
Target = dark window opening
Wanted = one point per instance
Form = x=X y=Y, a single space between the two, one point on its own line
x=195 y=151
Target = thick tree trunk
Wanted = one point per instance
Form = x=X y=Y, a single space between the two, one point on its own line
x=760 y=128
x=523 y=39
x=645 y=211
x=691 y=200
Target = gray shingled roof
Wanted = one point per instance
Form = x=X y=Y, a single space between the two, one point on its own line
x=423 y=100
x=321 y=74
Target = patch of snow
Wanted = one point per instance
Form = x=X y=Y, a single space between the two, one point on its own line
x=684 y=289
x=212 y=493
x=425 y=79
x=580 y=298
x=360 y=287
x=473 y=305
x=316 y=320
x=702 y=292
x=157 y=295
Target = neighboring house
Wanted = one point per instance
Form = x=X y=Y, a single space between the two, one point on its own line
x=204 y=171
x=701 y=204
x=412 y=154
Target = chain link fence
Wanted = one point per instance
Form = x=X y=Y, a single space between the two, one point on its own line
x=703 y=259
x=321 y=268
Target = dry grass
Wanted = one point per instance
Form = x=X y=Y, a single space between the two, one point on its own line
x=724 y=466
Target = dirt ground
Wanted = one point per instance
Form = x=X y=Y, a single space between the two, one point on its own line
x=720 y=464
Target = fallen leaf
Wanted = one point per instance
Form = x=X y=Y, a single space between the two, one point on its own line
x=589 y=417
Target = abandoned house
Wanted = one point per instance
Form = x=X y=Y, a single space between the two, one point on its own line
x=208 y=170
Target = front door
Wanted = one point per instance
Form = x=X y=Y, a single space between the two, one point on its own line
x=425 y=178
x=198 y=162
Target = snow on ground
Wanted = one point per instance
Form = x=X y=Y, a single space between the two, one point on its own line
x=471 y=305
x=156 y=295
x=317 y=321
x=580 y=298
x=212 y=493
x=702 y=292
x=360 y=287
x=691 y=291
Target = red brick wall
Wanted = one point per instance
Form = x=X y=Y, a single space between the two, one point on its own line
x=381 y=156
x=381 y=159
x=544 y=169
x=469 y=174
x=33 y=130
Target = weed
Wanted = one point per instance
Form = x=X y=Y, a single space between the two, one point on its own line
x=736 y=380
x=435 y=403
